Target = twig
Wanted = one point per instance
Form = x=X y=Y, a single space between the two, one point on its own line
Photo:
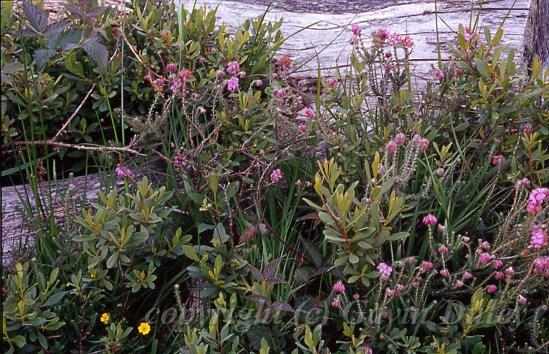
x=66 y=124
x=123 y=149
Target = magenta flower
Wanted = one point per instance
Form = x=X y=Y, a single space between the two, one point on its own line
x=123 y=171
x=309 y=113
x=490 y=289
x=336 y=303
x=171 y=67
x=458 y=284
x=367 y=350
x=389 y=67
x=539 y=237
x=442 y=250
x=391 y=147
x=338 y=287
x=241 y=74
x=281 y=93
x=427 y=266
x=509 y=272
x=331 y=81
x=424 y=145
x=258 y=83
x=522 y=300
x=185 y=74
x=438 y=74
x=385 y=271
x=219 y=74
x=485 y=258
x=499 y=276
x=444 y=272
x=390 y=293
x=498 y=160
x=497 y=263
x=400 y=139
x=467 y=276
x=180 y=160
x=232 y=84
x=233 y=67
x=302 y=129
x=429 y=219
x=399 y=289
x=536 y=199
x=466 y=239
x=276 y=175
x=406 y=42
x=541 y=266
x=355 y=28
x=521 y=183
x=380 y=35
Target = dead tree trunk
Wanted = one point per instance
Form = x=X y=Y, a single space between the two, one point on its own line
x=536 y=33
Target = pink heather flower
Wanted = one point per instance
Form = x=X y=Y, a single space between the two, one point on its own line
x=258 y=83
x=309 y=113
x=485 y=258
x=424 y=144
x=438 y=74
x=541 y=266
x=429 y=219
x=281 y=93
x=497 y=263
x=123 y=171
x=459 y=284
x=440 y=172
x=485 y=245
x=527 y=129
x=467 y=276
x=302 y=129
x=338 y=287
x=416 y=139
x=399 y=289
x=539 y=237
x=444 y=272
x=385 y=271
x=241 y=74
x=406 y=42
x=465 y=239
x=389 y=67
x=536 y=199
x=355 y=28
x=498 y=160
x=499 y=276
x=220 y=74
x=389 y=293
x=233 y=67
x=381 y=35
x=391 y=147
x=490 y=289
x=336 y=303
x=276 y=175
x=331 y=81
x=442 y=250
x=521 y=183
x=400 y=139
x=185 y=74
x=522 y=300
x=509 y=272
x=158 y=85
x=232 y=84
x=415 y=285
x=180 y=160
x=367 y=350
x=427 y=266
x=171 y=67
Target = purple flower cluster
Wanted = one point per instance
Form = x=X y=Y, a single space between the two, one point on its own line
x=536 y=199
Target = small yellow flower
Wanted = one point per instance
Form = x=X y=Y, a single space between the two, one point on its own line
x=105 y=317
x=144 y=328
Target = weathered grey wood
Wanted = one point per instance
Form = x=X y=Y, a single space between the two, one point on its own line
x=328 y=37
x=536 y=34
x=24 y=209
